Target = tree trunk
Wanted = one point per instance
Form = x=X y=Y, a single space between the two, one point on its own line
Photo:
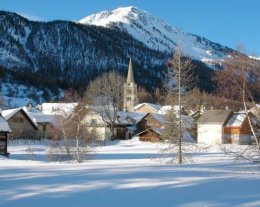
x=179 y=102
x=67 y=147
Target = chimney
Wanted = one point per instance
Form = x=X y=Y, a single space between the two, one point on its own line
x=30 y=106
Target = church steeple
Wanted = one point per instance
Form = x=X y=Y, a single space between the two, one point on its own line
x=130 y=74
x=130 y=90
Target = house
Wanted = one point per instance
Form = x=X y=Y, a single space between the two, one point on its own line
x=45 y=122
x=131 y=121
x=150 y=135
x=256 y=110
x=94 y=122
x=210 y=126
x=237 y=129
x=21 y=124
x=147 y=108
x=4 y=130
x=151 y=120
x=97 y=119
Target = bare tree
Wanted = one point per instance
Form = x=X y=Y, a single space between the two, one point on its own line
x=244 y=80
x=180 y=79
x=71 y=130
x=107 y=93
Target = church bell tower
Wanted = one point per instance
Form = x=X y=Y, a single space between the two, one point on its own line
x=130 y=90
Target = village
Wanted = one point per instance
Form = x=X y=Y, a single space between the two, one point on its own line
x=129 y=103
x=145 y=120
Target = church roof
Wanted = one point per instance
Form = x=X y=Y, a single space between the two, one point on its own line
x=130 y=75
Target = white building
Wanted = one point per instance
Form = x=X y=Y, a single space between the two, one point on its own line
x=211 y=126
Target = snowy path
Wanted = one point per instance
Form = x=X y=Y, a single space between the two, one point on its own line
x=128 y=173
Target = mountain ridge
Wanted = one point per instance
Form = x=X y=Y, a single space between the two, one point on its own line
x=157 y=34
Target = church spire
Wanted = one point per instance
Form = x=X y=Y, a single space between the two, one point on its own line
x=130 y=75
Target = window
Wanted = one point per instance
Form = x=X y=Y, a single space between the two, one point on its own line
x=128 y=98
x=129 y=91
x=93 y=122
x=17 y=119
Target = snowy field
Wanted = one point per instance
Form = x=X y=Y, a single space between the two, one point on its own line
x=127 y=173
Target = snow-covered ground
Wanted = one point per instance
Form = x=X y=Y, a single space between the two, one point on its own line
x=125 y=173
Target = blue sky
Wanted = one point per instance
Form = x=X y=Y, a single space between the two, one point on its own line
x=229 y=22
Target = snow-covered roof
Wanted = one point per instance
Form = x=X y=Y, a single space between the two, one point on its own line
x=159 y=117
x=7 y=114
x=236 y=119
x=165 y=109
x=64 y=109
x=4 y=127
x=152 y=106
x=214 y=116
x=38 y=116
x=136 y=116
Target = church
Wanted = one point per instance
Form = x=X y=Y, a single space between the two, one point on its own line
x=130 y=90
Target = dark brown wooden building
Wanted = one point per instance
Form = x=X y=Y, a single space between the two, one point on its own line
x=150 y=135
x=151 y=120
x=4 y=130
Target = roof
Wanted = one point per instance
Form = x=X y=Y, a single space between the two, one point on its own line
x=7 y=114
x=130 y=75
x=156 y=130
x=136 y=116
x=236 y=120
x=64 y=109
x=152 y=106
x=214 y=116
x=4 y=127
x=159 y=117
x=38 y=116
x=165 y=109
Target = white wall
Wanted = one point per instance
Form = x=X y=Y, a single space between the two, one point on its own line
x=103 y=132
x=210 y=134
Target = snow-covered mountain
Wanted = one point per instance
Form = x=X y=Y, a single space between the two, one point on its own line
x=158 y=34
x=73 y=53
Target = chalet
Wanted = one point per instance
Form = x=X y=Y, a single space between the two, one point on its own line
x=147 y=108
x=21 y=124
x=237 y=129
x=45 y=122
x=151 y=120
x=4 y=130
x=150 y=135
x=131 y=121
x=210 y=126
